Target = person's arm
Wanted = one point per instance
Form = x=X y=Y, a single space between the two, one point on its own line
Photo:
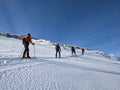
x=30 y=40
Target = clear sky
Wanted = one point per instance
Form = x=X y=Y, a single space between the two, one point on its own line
x=93 y=24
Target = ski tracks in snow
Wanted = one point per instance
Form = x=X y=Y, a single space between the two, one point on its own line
x=34 y=76
x=52 y=74
x=42 y=74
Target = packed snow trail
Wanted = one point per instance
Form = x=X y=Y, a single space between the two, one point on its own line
x=55 y=75
x=88 y=72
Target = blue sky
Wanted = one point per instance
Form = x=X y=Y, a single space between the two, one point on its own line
x=93 y=24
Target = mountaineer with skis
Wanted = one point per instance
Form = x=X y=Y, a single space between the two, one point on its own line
x=26 y=40
x=73 y=50
x=58 y=49
x=83 y=50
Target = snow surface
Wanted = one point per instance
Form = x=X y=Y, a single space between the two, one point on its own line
x=93 y=71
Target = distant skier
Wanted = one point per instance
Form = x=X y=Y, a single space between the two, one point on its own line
x=58 y=49
x=26 y=40
x=73 y=50
x=83 y=51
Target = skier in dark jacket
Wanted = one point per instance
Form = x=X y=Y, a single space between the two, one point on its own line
x=58 y=49
x=26 y=40
x=73 y=50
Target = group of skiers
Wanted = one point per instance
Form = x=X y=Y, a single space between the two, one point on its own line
x=27 y=40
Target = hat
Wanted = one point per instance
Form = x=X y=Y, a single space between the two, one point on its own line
x=29 y=34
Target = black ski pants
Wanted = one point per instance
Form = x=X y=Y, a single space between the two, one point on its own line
x=26 y=51
x=58 y=52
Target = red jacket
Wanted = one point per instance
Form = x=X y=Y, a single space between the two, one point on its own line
x=29 y=39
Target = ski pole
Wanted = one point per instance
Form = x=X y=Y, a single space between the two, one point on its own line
x=34 y=51
x=22 y=50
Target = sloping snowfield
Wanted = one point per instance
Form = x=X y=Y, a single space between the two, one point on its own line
x=92 y=71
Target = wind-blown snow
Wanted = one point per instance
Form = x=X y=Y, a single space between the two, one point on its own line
x=92 y=71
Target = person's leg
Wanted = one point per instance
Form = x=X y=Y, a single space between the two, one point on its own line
x=56 y=54
x=82 y=52
x=72 y=53
x=24 y=53
x=28 y=56
x=59 y=54
x=75 y=52
x=27 y=48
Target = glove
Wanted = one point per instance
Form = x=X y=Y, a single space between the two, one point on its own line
x=33 y=44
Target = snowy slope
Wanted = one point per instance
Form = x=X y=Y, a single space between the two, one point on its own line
x=93 y=71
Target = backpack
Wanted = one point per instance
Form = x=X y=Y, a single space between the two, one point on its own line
x=73 y=49
x=57 y=47
x=24 y=41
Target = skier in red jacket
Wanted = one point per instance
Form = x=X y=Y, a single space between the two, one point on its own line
x=26 y=40
x=83 y=51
